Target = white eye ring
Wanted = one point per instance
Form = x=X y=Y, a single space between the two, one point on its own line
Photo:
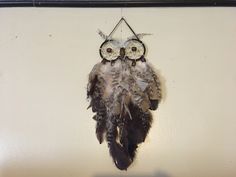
x=109 y=50
x=135 y=49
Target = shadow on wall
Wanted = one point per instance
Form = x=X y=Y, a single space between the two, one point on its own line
x=62 y=166
x=64 y=172
x=57 y=168
x=158 y=174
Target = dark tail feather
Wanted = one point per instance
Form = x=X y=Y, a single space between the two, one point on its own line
x=119 y=154
x=153 y=104
x=132 y=150
x=100 y=126
x=100 y=130
x=123 y=135
x=146 y=118
x=134 y=138
x=129 y=136
x=140 y=124
x=138 y=128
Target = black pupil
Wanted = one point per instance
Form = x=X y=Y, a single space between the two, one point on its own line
x=109 y=50
x=134 y=49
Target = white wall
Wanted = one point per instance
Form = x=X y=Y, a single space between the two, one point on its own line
x=45 y=57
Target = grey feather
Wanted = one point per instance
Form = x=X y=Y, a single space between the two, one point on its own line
x=140 y=35
x=121 y=96
x=102 y=34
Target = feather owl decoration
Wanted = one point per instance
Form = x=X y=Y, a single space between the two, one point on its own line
x=122 y=89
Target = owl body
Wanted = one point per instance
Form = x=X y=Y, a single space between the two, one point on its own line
x=121 y=96
x=122 y=89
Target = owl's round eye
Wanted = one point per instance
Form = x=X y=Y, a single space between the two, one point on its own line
x=109 y=50
x=135 y=49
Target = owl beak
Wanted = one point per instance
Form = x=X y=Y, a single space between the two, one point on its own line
x=122 y=53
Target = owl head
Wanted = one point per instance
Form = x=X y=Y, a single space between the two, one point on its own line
x=132 y=49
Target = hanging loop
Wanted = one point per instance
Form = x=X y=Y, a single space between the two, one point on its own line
x=122 y=19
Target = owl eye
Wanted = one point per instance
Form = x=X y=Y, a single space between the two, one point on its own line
x=135 y=49
x=109 y=50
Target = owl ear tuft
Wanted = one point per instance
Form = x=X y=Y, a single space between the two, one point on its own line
x=139 y=35
x=102 y=34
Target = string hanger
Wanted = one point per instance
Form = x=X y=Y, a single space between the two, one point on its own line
x=120 y=21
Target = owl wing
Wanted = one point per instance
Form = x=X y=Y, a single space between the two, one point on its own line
x=94 y=92
x=146 y=95
x=154 y=88
x=148 y=85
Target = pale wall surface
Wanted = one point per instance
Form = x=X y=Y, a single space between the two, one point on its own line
x=45 y=57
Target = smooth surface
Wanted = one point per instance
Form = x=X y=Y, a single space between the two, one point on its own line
x=45 y=58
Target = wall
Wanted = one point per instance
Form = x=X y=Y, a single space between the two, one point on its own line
x=45 y=57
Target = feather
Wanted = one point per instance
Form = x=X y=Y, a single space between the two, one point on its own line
x=100 y=127
x=121 y=96
x=102 y=34
x=118 y=153
x=140 y=35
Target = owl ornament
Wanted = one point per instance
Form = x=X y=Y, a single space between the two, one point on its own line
x=122 y=90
